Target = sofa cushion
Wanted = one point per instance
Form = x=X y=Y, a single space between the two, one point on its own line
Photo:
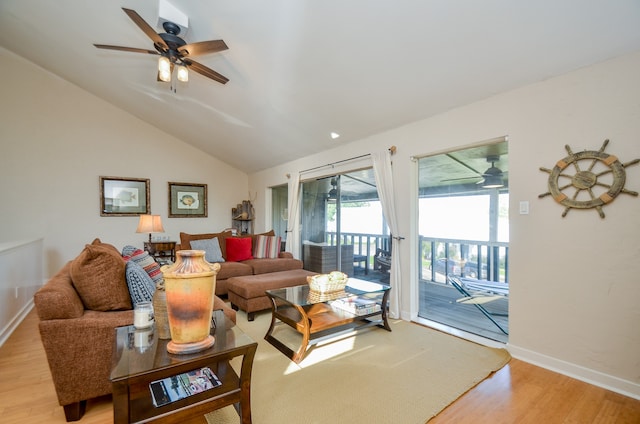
x=185 y=240
x=231 y=269
x=98 y=277
x=146 y=261
x=255 y=285
x=238 y=248
x=211 y=247
x=266 y=247
x=266 y=265
x=141 y=286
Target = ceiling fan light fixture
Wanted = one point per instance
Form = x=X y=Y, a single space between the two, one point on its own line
x=164 y=64
x=493 y=175
x=164 y=69
x=493 y=181
x=164 y=76
x=183 y=73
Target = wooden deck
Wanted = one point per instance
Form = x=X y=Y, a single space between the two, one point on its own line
x=438 y=304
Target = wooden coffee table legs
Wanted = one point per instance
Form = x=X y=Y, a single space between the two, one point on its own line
x=296 y=317
x=319 y=320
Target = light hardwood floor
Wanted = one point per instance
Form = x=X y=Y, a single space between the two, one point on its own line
x=518 y=393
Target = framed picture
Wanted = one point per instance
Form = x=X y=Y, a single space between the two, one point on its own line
x=124 y=196
x=187 y=200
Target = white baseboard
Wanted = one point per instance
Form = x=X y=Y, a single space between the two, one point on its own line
x=609 y=382
x=15 y=321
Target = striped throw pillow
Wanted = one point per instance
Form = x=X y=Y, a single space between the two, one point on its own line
x=145 y=260
x=267 y=247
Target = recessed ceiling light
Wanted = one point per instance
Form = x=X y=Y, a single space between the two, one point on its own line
x=334 y=135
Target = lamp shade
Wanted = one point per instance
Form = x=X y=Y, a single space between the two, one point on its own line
x=150 y=224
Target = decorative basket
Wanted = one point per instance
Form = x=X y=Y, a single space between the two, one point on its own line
x=327 y=283
x=315 y=296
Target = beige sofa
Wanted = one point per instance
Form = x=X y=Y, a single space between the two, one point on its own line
x=79 y=309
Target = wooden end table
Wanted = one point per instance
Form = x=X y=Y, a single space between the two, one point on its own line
x=316 y=317
x=162 y=251
x=136 y=364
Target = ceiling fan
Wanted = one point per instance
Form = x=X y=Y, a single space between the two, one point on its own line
x=491 y=178
x=333 y=193
x=173 y=50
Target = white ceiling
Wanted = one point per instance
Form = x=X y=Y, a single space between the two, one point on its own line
x=300 y=69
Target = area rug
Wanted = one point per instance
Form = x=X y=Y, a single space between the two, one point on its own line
x=404 y=376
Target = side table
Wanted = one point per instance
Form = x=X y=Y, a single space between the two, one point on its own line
x=162 y=251
x=138 y=361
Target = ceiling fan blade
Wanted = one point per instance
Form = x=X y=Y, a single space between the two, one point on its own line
x=207 y=72
x=145 y=27
x=203 y=47
x=460 y=179
x=125 y=49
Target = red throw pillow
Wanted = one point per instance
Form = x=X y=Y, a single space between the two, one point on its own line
x=238 y=248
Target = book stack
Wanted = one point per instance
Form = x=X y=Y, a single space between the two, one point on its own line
x=357 y=305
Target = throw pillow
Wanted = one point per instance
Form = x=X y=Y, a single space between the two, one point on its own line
x=211 y=248
x=145 y=260
x=238 y=249
x=254 y=237
x=141 y=286
x=267 y=247
x=186 y=239
x=98 y=277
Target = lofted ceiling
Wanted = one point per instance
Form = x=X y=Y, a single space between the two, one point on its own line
x=301 y=69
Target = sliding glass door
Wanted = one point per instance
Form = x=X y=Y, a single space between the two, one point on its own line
x=342 y=224
x=463 y=240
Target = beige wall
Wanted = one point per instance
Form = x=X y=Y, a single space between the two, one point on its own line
x=56 y=140
x=574 y=280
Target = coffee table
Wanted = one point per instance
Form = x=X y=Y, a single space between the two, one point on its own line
x=318 y=316
x=140 y=358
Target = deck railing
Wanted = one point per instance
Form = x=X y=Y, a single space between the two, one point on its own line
x=467 y=258
x=483 y=260
x=364 y=245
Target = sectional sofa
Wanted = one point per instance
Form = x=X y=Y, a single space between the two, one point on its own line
x=240 y=256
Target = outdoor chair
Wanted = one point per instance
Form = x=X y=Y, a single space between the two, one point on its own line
x=479 y=292
x=364 y=259
x=382 y=261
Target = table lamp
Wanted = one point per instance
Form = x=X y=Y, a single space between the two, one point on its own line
x=150 y=224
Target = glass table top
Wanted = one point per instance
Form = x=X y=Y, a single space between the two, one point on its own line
x=138 y=351
x=304 y=296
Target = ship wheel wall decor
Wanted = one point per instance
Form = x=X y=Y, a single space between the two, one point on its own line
x=595 y=184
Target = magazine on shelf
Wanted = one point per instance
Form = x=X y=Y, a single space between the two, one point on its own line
x=357 y=305
x=183 y=385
